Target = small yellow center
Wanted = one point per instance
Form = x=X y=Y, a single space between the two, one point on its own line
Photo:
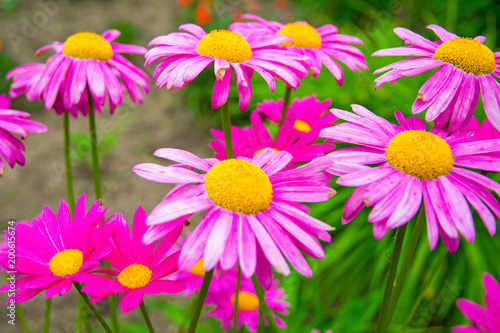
x=225 y=44
x=419 y=153
x=276 y=150
x=239 y=186
x=302 y=126
x=66 y=262
x=467 y=54
x=135 y=276
x=198 y=269
x=246 y=301
x=88 y=45
x=302 y=34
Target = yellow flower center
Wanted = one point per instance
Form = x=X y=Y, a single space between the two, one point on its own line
x=302 y=34
x=135 y=276
x=198 y=269
x=239 y=186
x=467 y=54
x=302 y=126
x=419 y=153
x=261 y=149
x=225 y=44
x=246 y=301
x=88 y=45
x=66 y=262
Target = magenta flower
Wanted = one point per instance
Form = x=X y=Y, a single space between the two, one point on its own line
x=53 y=251
x=139 y=268
x=14 y=122
x=253 y=211
x=187 y=54
x=222 y=296
x=322 y=45
x=318 y=331
x=465 y=68
x=484 y=320
x=87 y=59
x=300 y=129
x=484 y=131
x=414 y=165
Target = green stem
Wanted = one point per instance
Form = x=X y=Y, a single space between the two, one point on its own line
x=78 y=318
x=236 y=299
x=46 y=317
x=410 y=251
x=112 y=313
x=391 y=275
x=92 y=307
x=67 y=163
x=200 y=300
x=22 y=320
x=226 y=127
x=191 y=305
x=286 y=102
x=146 y=317
x=95 y=153
x=263 y=307
x=87 y=327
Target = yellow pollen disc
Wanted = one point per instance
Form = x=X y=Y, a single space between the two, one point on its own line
x=261 y=149
x=467 y=54
x=239 y=186
x=198 y=269
x=88 y=45
x=225 y=44
x=135 y=276
x=419 y=153
x=66 y=262
x=302 y=34
x=246 y=301
x=301 y=126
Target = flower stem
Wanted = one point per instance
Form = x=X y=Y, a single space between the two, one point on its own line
x=46 y=317
x=263 y=307
x=93 y=142
x=200 y=300
x=236 y=297
x=67 y=163
x=92 y=307
x=22 y=320
x=391 y=275
x=286 y=102
x=226 y=128
x=112 y=313
x=146 y=317
x=191 y=305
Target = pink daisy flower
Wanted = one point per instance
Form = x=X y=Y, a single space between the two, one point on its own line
x=53 y=251
x=414 y=165
x=300 y=129
x=484 y=131
x=465 y=68
x=253 y=212
x=14 y=122
x=139 y=268
x=318 y=331
x=87 y=59
x=222 y=296
x=323 y=45
x=484 y=320
x=187 y=54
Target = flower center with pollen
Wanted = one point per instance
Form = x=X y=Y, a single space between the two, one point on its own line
x=467 y=54
x=135 y=276
x=302 y=126
x=246 y=301
x=198 y=269
x=225 y=44
x=239 y=186
x=88 y=45
x=66 y=262
x=302 y=34
x=419 y=153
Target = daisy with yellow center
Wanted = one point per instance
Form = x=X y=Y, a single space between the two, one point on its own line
x=413 y=165
x=322 y=45
x=253 y=213
x=184 y=55
x=466 y=68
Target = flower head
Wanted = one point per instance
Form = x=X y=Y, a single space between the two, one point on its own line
x=14 y=122
x=412 y=165
x=253 y=211
x=323 y=45
x=139 y=269
x=484 y=131
x=300 y=129
x=465 y=68
x=185 y=55
x=485 y=319
x=93 y=61
x=53 y=251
